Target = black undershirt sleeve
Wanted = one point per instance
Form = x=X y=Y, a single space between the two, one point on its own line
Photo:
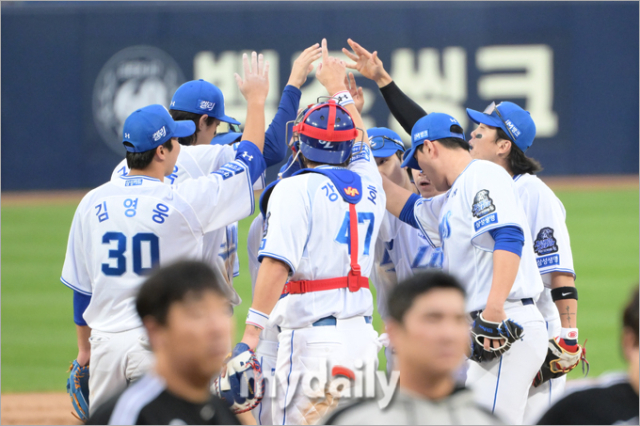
x=405 y=110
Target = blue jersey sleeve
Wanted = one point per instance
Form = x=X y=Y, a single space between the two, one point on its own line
x=80 y=303
x=250 y=155
x=407 y=214
x=275 y=145
x=508 y=238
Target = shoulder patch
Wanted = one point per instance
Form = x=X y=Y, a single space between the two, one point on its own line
x=545 y=243
x=482 y=204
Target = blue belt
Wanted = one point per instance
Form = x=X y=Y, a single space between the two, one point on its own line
x=331 y=320
x=525 y=302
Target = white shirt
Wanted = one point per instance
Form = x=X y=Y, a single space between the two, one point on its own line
x=306 y=227
x=401 y=252
x=481 y=199
x=546 y=216
x=221 y=246
x=125 y=227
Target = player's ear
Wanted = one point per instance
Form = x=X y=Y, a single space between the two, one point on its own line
x=202 y=122
x=504 y=147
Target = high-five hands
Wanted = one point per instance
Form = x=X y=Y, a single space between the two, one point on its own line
x=331 y=72
x=303 y=65
x=255 y=85
x=367 y=63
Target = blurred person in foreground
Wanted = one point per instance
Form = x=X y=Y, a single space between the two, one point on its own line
x=186 y=314
x=611 y=398
x=429 y=330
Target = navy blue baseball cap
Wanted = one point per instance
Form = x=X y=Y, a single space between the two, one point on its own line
x=226 y=138
x=384 y=142
x=431 y=127
x=515 y=121
x=151 y=126
x=201 y=97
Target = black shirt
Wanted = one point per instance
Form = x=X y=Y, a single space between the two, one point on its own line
x=403 y=109
x=612 y=401
x=147 y=402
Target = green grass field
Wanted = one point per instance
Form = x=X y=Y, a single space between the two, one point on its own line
x=38 y=334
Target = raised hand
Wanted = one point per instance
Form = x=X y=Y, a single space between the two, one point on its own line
x=356 y=92
x=303 y=65
x=255 y=85
x=331 y=72
x=367 y=63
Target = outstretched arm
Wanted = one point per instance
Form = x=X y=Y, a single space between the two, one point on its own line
x=403 y=108
x=331 y=73
x=255 y=88
x=275 y=143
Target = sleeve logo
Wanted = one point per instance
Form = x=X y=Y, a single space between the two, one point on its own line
x=545 y=243
x=482 y=204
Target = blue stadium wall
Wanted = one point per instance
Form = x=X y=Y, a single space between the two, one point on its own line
x=71 y=72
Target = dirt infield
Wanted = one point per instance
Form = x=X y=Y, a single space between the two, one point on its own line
x=37 y=409
x=562 y=183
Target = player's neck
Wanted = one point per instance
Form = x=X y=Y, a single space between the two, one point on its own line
x=195 y=390
x=152 y=171
x=430 y=387
x=457 y=162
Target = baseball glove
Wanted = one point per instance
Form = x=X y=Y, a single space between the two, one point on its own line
x=78 y=390
x=561 y=359
x=482 y=329
x=240 y=384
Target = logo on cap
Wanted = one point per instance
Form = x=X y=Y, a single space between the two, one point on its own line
x=206 y=105
x=160 y=134
x=421 y=135
x=516 y=132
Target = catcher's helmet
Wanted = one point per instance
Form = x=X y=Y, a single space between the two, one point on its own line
x=326 y=133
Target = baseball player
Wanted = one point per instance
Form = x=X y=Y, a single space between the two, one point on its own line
x=319 y=228
x=504 y=133
x=203 y=103
x=267 y=348
x=189 y=350
x=401 y=250
x=122 y=229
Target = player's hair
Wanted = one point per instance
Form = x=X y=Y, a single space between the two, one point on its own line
x=178 y=115
x=630 y=318
x=310 y=164
x=452 y=143
x=172 y=284
x=519 y=163
x=405 y=293
x=140 y=160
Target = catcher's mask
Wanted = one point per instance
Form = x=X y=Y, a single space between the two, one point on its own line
x=324 y=133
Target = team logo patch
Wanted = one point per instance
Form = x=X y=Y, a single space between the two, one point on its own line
x=516 y=132
x=551 y=260
x=160 y=134
x=421 y=135
x=352 y=192
x=206 y=105
x=545 y=243
x=131 y=79
x=482 y=204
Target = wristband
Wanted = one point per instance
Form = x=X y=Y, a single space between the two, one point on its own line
x=344 y=98
x=564 y=293
x=257 y=318
x=570 y=334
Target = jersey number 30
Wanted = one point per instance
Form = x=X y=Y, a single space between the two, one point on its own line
x=118 y=253
x=344 y=234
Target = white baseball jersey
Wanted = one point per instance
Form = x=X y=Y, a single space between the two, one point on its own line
x=128 y=225
x=253 y=246
x=481 y=199
x=401 y=252
x=547 y=221
x=221 y=246
x=307 y=227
